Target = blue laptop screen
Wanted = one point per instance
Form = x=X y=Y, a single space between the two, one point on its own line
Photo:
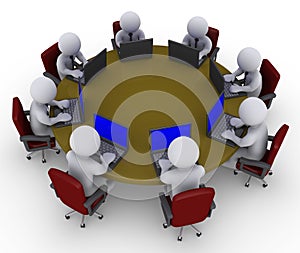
x=111 y=130
x=81 y=98
x=215 y=113
x=161 y=138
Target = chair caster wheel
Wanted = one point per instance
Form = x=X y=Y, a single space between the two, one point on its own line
x=82 y=225
x=28 y=157
x=67 y=217
x=198 y=234
x=270 y=173
x=43 y=160
x=247 y=185
x=100 y=217
x=235 y=172
x=58 y=151
x=179 y=238
x=265 y=185
x=165 y=225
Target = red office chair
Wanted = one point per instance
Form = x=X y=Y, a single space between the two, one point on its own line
x=49 y=58
x=188 y=208
x=270 y=79
x=213 y=34
x=260 y=169
x=31 y=142
x=71 y=193
x=116 y=28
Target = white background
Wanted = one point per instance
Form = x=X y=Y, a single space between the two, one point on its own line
x=246 y=219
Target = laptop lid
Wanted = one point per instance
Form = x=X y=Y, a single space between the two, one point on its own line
x=95 y=65
x=111 y=131
x=141 y=48
x=215 y=113
x=184 y=53
x=216 y=77
x=161 y=138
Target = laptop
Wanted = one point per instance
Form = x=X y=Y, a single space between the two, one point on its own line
x=75 y=109
x=93 y=66
x=114 y=139
x=185 y=53
x=139 y=49
x=219 y=83
x=218 y=122
x=160 y=140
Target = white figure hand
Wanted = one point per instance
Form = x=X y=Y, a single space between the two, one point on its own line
x=235 y=122
x=229 y=78
x=228 y=134
x=64 y=116
x=63 y=104
x=234 y=88
x=77 y=73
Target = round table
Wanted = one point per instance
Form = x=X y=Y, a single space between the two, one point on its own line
x=150 y=93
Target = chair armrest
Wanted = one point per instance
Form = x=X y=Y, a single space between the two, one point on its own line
x=52 y=77
x=264 y=166
x=166 y=208
x=27 y=112
x=212 y=207
x=88 y=203
x=269 y=97
x=52 y=187
x=213 y=55
x=202 y=186
x=270 y=137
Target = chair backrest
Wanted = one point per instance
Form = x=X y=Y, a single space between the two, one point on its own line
x=191 y=206
x=213 y=34
x=276 y=144
x=116 y=27
x=49 y=58
x=69 y=190
x=270 y=77
x=19 y=118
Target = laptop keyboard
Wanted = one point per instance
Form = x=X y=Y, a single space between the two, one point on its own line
x=224 y=124
x=110 y=148
x=227 y=92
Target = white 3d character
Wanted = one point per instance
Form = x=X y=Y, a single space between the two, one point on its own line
x=69 y=44
x=130 y=23
x=183 y=153
x=197 y=29
x=43 y=91
x=85 y=142
x=248 y=61
x=252 y=112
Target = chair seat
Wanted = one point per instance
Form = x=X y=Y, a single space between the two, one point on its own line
x=40 y=144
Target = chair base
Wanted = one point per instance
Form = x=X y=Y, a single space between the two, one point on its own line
x=247 y=184
x=29 y=155
x=179 y=238
x=82 y=224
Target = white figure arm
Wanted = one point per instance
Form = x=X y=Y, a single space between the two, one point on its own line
x=62 y=67
x=46 y=120
x=186 y=40
x=207 y=47
x=231 y=77
x=254 y=84
x=165 y=165
x=108 y=157
x=236 y=122
x=61 y=104
x=97 y=168
x=119 y=37
x=81 y=58
x=246 y=141
x=141 y=35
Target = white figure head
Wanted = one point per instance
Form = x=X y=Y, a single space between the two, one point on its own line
x=197 y=27
x=69 y=44
x=43 y=90
x=183 y=152
x=130 y=22
x=249 y=59
x=85 y=141
x=253 y=111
